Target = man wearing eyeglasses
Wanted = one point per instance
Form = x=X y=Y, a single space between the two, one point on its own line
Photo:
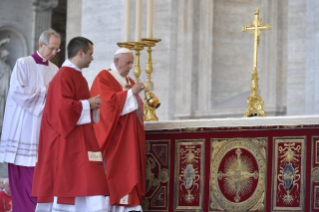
x=29 y=85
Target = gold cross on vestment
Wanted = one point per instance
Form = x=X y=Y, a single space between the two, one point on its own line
x=254 y=102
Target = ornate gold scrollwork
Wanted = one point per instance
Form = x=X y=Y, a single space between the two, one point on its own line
x=315 y=174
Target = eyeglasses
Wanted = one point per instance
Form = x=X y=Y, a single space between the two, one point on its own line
x=53 y=49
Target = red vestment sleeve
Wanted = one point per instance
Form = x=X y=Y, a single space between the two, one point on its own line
x=113 y=100
x=68 y=110
x=69 y=158
x=122 y=141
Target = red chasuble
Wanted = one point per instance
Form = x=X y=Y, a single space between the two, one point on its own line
x=5 y=202
x=122 y=141
x=69 y=164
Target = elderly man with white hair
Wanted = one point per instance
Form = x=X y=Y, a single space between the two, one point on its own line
x=120 y=133
x=5 y=197
x=29 y=85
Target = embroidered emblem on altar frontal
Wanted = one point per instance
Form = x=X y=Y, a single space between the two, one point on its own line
x=157 y=175
x=95 y=156
x=189 y=169
x=238 y=173
x=289 y=163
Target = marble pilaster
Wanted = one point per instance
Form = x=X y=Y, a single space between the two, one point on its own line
x=272 y=70
x=296 y=57
x=205 y=55
x=74 y=19
x=183 y=98
x=42 y=14
x=312 y=49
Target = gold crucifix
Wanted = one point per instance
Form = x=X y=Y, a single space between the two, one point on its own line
x=254 y=102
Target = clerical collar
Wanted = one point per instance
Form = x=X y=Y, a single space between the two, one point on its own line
x=6 y=192
x=39 y=59
x=43 y=59
x=113 y=67
x=125 y=82
x=68 y=63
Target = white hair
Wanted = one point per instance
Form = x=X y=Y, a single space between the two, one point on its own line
x=120 y=55
x=117 y=56
x=45 y=36
x=5 y=181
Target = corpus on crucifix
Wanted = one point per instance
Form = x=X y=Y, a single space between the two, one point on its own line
x=254 y=102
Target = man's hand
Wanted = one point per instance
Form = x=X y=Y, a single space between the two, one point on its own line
x=95 y=102
x=138 y=87
x=47 y=88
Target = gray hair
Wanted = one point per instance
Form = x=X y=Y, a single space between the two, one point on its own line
x=45 y=36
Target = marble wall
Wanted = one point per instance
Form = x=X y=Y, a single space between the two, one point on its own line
x=312 y=48
x=203 y=65
x=303 y=40
x=74 y=19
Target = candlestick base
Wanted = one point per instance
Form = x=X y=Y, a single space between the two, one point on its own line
x=254 y=102
x=127 y=45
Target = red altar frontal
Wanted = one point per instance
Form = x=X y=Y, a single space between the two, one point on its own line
x=243 y=164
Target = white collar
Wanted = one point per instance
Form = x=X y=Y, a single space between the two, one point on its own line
x=113 y=67
x=6 y=192
x=68 y=63
x=124 y=81
x=43 y=59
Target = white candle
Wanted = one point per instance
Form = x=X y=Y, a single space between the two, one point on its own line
x=149 y=33
x=127 y=21
x=138 y=19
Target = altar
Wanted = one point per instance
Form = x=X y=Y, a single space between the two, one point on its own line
x=234 y=164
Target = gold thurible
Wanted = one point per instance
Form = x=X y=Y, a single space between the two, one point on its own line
x=151 y=102
x=254 y=101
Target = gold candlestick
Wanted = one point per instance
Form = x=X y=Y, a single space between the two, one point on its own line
x=254 y=102
x=138 y=46
x=125 y=45
x=149 y=42
x=151 y=102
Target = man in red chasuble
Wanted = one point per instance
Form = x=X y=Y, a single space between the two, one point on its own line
x=5 y=197
x=69 y=174
x=120 y=132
